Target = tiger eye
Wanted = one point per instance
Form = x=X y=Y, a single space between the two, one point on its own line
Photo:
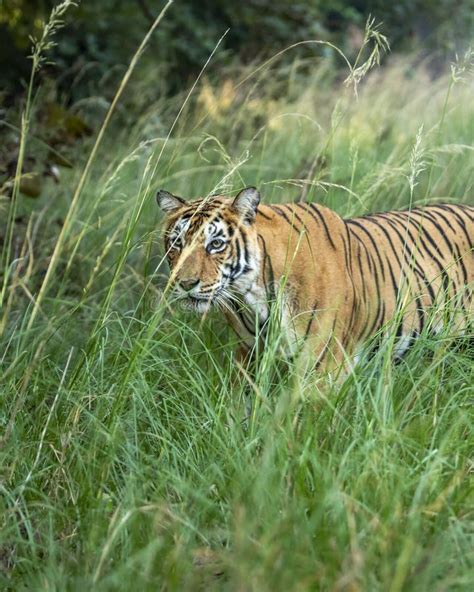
x=217 y=243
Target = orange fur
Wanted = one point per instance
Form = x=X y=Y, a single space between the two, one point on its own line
x=338 y=282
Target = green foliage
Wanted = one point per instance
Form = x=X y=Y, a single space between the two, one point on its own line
x=127 y=456
x=102 y=35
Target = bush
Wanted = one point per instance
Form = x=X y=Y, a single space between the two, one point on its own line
x=101 y=36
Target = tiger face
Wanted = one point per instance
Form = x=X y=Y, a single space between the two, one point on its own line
x=211 y=246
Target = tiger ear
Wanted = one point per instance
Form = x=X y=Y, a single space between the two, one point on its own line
x=246 y=203
x=168 y=202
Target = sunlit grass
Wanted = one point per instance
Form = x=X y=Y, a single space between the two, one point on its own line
x=130 y=456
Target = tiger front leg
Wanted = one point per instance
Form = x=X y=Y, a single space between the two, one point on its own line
x=324 y=351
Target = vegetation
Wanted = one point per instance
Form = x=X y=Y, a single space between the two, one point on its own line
x=101 y=36
x=131 y=455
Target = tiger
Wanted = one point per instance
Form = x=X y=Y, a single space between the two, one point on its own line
x=334 y=284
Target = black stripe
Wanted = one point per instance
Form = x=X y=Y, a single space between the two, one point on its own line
x=243 y=320
x=409 y=256
x=260 y=213
x=425 y=234
x=268 y=274
x=460 y=221
x=428 y=216
x=281 y=213
x=235 y=269
x=293 y=213
x=374 y=244
x=466 y=211
x=446 y=220
x=419 y=308
x=320 y=216
x=396 y=288
x=346 y=242
x=421 y=312
x=389 y=238
x=360 y=267
x=420 y=237
x=311 y=319
x=246 y=247
x=374 y=272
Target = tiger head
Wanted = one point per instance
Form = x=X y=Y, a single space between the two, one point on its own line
x=212 y=247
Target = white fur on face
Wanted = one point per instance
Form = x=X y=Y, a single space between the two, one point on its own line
x=211 y=231
x=234 y=277
x=179 y=229
x=214 y=230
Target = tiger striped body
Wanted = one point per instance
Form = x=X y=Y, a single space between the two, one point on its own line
x=335 y=283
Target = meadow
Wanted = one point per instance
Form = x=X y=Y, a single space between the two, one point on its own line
x=130 y=457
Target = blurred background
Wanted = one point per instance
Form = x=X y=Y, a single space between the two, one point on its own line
x=101 y=36
x=84 y=64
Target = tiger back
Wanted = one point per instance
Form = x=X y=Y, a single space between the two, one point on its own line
x=335 y=283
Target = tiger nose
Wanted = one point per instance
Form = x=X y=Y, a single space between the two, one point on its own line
x=188 y=284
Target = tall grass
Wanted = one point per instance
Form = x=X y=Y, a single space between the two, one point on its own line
x=129 y=459
x=39 y=49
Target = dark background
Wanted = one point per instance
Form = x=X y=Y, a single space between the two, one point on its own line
x=100 y=37
x=86 y=62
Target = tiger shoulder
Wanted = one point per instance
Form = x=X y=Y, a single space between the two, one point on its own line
x=334 y=283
